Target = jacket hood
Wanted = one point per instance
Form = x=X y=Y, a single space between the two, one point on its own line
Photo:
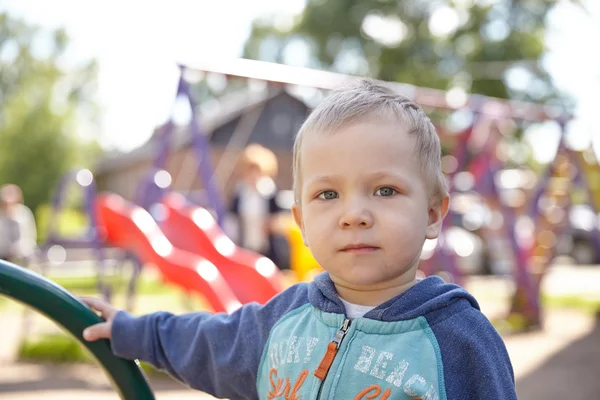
x=427 y=296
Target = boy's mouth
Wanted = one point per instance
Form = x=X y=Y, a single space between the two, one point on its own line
x=359 y=248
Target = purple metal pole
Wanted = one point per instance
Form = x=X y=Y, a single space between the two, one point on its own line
x=205 y=168
x=533 y=210
x=148 y=192
x=97 y=245
x=521 y=275
x=91 y=238
x=448 y=259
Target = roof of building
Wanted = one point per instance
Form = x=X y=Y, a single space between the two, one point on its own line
x=211 y=115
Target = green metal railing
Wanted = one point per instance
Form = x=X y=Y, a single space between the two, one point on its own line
x=72 y=315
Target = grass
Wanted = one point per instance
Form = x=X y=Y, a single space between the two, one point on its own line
x=583 y=303
x=61 y=348
x=55 y=347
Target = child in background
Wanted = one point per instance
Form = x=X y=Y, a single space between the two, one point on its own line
x=369 y=190
x=254 y=203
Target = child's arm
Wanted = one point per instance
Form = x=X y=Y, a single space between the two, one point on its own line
x=475 y=362
x=215 y=353
x=218 y=354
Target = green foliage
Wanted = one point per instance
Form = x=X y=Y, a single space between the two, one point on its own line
x=415 y=41
x=69 y=222
x=42 y=100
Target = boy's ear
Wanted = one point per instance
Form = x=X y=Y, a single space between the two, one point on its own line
x=297 y=213
x=437 y=213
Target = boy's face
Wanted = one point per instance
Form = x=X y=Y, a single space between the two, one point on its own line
x=365 y=210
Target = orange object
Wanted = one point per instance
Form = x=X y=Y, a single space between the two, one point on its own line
x=325 y=364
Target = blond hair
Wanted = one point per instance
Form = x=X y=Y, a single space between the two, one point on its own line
x=261 y=157
x=365 y=98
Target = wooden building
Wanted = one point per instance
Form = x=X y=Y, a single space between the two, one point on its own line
x=270 y=117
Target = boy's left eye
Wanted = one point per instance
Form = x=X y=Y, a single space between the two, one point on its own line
x=385 y=191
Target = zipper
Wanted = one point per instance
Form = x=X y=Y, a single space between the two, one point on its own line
x=332 y=349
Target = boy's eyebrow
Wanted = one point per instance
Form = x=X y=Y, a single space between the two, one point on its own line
x=392 y=175
x=378 y=175
x=322 y=179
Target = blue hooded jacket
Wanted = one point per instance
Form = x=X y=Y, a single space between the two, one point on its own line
x=431 y=342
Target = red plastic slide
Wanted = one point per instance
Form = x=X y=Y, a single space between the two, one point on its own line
x=251 y=276
x=132 y=228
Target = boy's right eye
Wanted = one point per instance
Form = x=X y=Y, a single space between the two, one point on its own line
x=328 y=195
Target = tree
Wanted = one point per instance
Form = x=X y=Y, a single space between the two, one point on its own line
x=487 y=47
x=41 y=101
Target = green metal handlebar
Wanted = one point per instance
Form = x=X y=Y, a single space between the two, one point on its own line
x=74 y=316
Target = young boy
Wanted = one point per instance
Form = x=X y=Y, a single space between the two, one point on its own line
x=369 y=191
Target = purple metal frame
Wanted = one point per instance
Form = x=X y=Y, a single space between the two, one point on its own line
x=521 y=275
x=90 y=239
x=149 y=193
x=579 y=179
x=448 y=258
x=486 y=186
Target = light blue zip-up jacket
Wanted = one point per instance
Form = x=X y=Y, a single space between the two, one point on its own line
x=431 y=342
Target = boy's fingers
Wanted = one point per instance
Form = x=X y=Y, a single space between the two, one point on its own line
x=98 y=331
x=106 y=310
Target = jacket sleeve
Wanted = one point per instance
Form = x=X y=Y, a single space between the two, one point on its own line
x=475 y=362
x=216 y=353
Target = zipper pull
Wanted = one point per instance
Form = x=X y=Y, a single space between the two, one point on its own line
x=332 y=348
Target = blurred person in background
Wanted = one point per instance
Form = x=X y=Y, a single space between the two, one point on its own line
x=18 y=233
x=254 y=205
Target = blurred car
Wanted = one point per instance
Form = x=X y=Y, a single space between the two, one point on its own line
x=580 y=241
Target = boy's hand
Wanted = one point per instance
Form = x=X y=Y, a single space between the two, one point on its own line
x=101 y=330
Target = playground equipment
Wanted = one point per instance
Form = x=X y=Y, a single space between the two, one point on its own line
x=117 y=223
x=302 y=261
x=486 y=112
x=190 y=227
x=82 y=179
x=133 y=228
x=252 y=277
x=548 y=211
x=60 y=306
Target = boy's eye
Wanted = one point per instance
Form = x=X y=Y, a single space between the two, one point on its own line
x=385 y=191
x=328 y=195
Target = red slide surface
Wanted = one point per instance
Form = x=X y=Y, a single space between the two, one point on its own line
x=251 y=276
x=132 y=228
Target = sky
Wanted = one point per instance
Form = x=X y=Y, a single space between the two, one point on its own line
x=138 y=43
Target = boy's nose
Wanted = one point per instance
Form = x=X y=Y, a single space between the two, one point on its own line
x=356 y=216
